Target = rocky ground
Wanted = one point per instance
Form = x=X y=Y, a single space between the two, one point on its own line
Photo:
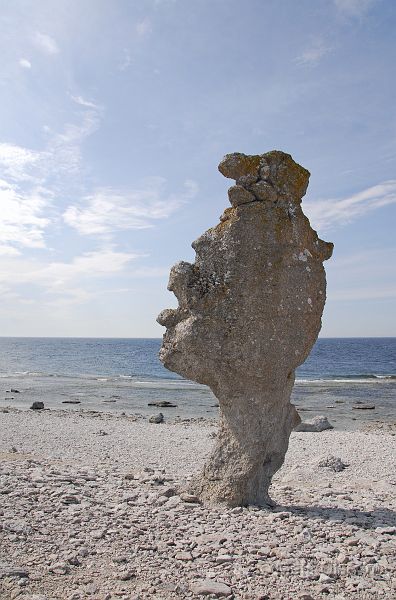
x=91 y=507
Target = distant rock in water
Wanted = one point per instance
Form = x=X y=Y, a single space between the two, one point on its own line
x=317 y=424
x=71 y=401
x=249 y=313
x=162 y=404
x=363 y=406
x=37 y=405
x=15 y=391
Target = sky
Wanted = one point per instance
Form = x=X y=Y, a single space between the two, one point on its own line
x=115 y=116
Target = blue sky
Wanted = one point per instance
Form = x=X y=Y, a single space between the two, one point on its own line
x=116 y=114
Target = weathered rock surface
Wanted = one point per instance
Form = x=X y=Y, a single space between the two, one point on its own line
x=316 y=424
x=159 y=418
x=208 y=587
x=249 y=312
x=332 y=462
x=37 y=406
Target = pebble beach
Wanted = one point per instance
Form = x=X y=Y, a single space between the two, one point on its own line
x=92 y=507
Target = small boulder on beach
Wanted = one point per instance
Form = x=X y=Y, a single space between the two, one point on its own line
x=209 y=587
x=12 y=571
x=37 y=406
x=317 y=424
x=156 y=418
x=332 y=462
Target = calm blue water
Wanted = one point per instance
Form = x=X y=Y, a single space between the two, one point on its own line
x=334 y=358
x=125 y=375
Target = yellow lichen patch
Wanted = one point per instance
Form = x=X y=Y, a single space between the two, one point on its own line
x=228 y=218
x=238 y=165
x=290 y=176
x=248 y=165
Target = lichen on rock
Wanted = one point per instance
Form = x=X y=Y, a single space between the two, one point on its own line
x=249 y=313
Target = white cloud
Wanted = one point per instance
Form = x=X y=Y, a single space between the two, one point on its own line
x=143 y=27
x=32 y=178
x=83 y=102
x=91 y=264
x=69 y=280
x=22 y=223
x=62 y=154
x=8 y=250
x=17 y=161
x=325 y=214
x=109 y=210
x=45 y=43
x=25 y=63
x=64 y=150
x=354 y=8
x=314 y=53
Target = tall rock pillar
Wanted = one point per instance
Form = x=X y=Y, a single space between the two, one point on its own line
x=249 y=313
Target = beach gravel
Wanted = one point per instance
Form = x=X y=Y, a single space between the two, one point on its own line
x=84 y=515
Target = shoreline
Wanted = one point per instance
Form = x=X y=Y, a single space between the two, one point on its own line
x=91 y=508
x=337 y=401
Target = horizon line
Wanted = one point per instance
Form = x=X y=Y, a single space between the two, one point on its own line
x=81 y=337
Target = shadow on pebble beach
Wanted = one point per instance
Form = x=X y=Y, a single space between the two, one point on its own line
x=380 y=519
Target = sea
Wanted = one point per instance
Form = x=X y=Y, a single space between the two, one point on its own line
x=350 y=380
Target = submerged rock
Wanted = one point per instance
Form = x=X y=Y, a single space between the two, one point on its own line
x=163 y=404
x=249 y=313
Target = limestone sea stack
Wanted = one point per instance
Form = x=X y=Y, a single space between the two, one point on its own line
x=249 y=313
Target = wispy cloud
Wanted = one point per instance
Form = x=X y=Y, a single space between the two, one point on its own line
x=325 y=214
x=17 y=162
x=86 y=103
x=63 y=155
x=22 y=223
x=25 y=63
x=143 y=27
x=354 y=8
x=31 y=179
x=109 y=210
x=68 y=280
x=45 y=43
x=313 y=53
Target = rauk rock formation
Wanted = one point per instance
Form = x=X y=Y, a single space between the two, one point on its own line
x=249 y=313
